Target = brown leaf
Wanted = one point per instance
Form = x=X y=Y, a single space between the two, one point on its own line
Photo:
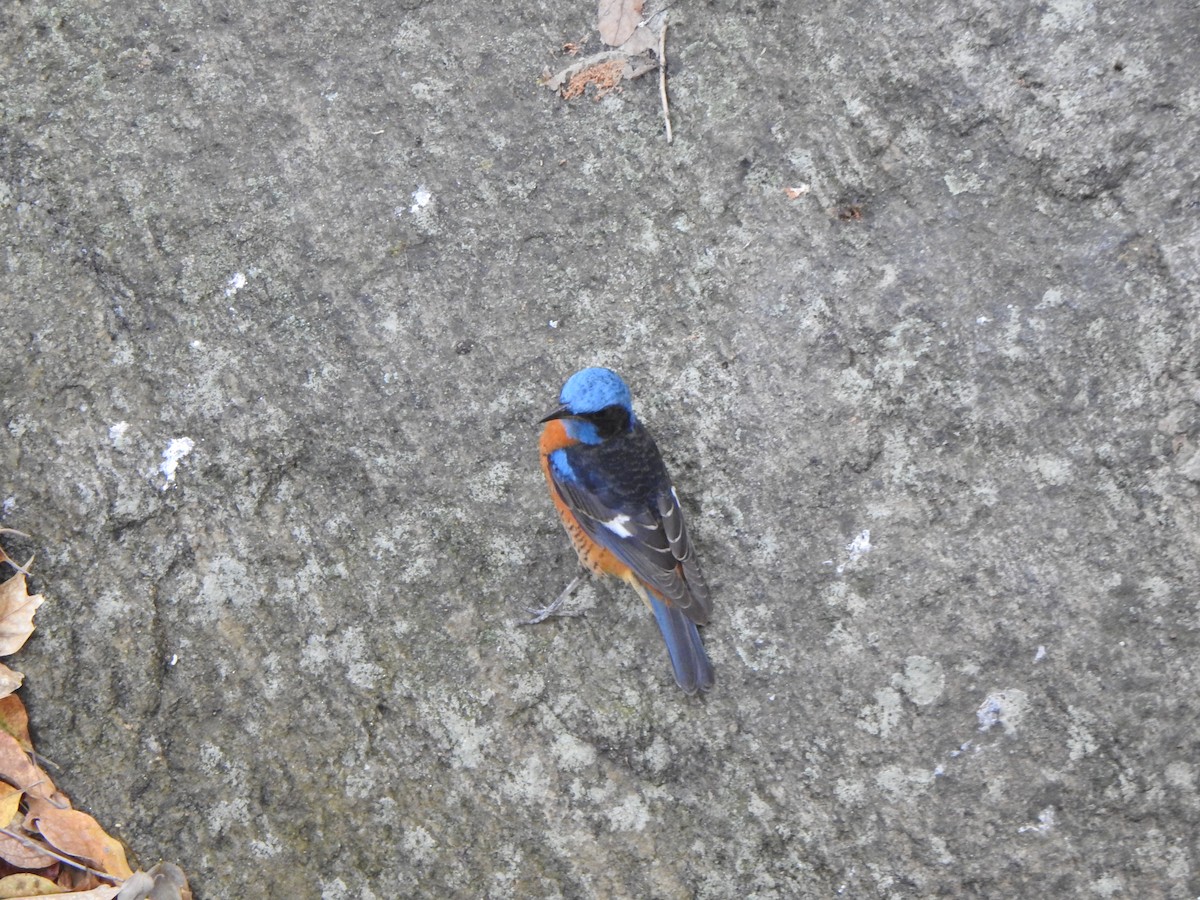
x=646 y=35
x=10 y=680
x=165 y=881
x=78 y=835
x=23 y=856
x=104 y=892
x=15 y=720
x=10 y=804
x=79 y=880
x=26 y=884
x=617 y=20
x=17 y=770
x=17 y=607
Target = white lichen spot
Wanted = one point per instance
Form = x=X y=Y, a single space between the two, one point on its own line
x=757 y=652
x=631 y=814
x=467 y=738
x=347 y=651
x=961 y=184
x=421 y=198
x=227 y=815
x=767 y=548
x=504 y=552
x=1051 y=298
x=883 y=715
x=856 y=549
x=922 y=680
x=266 y=847
x=760 y=808
x=848 y=792
x=175 y=452
x=235 y=283
x=572 y=753
x=491 y=486
x=1055 y=470
x=527 y=783
x=419 y=844
x=1081 y=741
x=1004 y=708
x=116 y=434
x=844 y=640
x=895 y=779
x=1045 y=822
x=1182 y=776
x=1108 y=886
x=658 y=755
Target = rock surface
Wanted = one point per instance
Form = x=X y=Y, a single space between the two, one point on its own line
x=286 y=286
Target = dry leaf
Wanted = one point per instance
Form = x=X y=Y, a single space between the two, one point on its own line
x=17 y=607
x=10 y=804
x=104 y=892
x=70 y=833
x=77 y=880
x=78 y=835
x=10 y=680
x=17 y=770
x=23 y=856
x=646 y=35
x=26 y=884
x=15 y=720
x=605 y=71
x=558 y=82
x=165 y=881
x=137 y=888
x=618 y=19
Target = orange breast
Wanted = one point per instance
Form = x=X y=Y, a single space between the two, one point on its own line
x=592 y=555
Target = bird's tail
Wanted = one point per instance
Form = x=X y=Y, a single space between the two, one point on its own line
x=693 y=671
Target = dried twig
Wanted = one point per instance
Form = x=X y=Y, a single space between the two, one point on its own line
x=662 y=76
x=5 y=558
x=49 y=851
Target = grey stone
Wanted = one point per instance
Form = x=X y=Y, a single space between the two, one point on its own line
x=351 y=251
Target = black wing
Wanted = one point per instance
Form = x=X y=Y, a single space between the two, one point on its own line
x=622 y=496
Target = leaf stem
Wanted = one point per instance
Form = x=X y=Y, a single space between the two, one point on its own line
x=662 y=76
x=48 y=851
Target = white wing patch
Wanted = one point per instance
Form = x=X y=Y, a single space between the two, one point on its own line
x=617 y=525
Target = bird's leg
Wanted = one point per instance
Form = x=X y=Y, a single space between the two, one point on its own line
x=541 y=615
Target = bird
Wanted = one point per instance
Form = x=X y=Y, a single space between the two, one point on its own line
x=610 y=486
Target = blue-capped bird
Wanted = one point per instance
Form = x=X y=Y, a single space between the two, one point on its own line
x=612 y=491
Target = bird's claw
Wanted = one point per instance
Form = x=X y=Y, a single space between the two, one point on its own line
x=552 y=609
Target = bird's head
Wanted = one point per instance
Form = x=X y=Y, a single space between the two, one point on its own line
x=595 y=405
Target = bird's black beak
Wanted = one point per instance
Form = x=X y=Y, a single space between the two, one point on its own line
x=561 y=413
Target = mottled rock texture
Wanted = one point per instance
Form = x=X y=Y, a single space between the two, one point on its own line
x=351 y=250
